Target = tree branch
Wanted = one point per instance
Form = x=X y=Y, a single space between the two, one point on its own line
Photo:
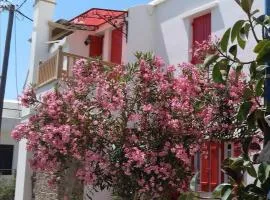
x=233 y=60
x=253 y=30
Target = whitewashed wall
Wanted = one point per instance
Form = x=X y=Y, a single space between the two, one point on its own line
x=43 y=13
x=166 y=29
x=11 y=117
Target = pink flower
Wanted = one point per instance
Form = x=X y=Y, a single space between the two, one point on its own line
x=147 y=108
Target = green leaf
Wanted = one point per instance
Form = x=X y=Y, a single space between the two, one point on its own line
x=243 y=34
x=241 y=41
x=193 y=182
x=247 y=5
x=263 y=55
x=250 y=169
x=244 y=111
x=237 y=163
x=221 y=189
x=217 y=76
x=262 y=20
x=266 y=185
x=261 y=68
x=259 y=88
x=254 y=190
x=252 y=70
x=251 y=120
x=236 y=29
x=187 y=196
x=263 y=172
x=248 y=94
x=260 y=45
x=227 y=194
x=225 y=40
x=233 y=50
x=254 y=12
x=210 y=59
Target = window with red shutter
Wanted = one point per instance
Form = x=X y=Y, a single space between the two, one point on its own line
x=214 y=164
x=237 y=149
x=205 y=168
x=116 y=46
x=201 y=31
x=210 y=166
x=96 y=46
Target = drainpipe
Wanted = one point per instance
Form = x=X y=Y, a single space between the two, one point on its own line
x=267 y=81
x=266 y=33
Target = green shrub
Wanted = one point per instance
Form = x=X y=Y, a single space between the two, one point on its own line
x=7 y=189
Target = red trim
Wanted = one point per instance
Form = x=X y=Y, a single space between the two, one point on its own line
x=90 y=17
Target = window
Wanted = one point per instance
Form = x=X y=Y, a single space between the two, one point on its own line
x=210 y=166
x=6 y=157
x=116 y=45
x=201 y=30
x=96 y=46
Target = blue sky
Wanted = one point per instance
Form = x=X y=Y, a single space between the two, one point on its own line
x=23 y=33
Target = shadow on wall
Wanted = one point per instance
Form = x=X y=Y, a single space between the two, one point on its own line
x=217 y=20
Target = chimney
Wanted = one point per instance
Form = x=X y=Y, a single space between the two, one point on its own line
x=43 y=13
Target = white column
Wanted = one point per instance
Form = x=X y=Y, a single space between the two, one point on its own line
x=106 y=55
x=43 y=12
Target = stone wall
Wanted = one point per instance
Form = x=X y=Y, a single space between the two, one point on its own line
x=41 y=190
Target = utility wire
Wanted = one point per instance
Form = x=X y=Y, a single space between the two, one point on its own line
x=21 y=5
x=23 y=15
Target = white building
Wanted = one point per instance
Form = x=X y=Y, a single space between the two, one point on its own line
x=168 y=28
x=8 y=146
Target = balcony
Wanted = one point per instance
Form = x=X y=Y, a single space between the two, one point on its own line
x=59 y=64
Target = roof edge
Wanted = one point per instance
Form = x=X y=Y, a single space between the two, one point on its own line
x=96 y=9
x=157 y=2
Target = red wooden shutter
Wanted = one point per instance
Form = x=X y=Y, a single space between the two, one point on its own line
x=205 y=169
x=222 y=159
x=96 y=46
x=210 y=166
x=116 y=46
x=237 y=149
x=214 y=160
x=201 y=31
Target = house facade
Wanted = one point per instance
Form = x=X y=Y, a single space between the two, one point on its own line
x=168 y=28
x=8 y=146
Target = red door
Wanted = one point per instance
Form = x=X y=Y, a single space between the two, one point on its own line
x=116 y=46
x=96 y=46
x=210 y=166
x=201 y=31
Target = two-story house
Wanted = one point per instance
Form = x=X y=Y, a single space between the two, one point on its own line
x=168 y=28
x=8 y=146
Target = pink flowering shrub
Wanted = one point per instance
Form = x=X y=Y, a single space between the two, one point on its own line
x=202 y=49
x=131 y=128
